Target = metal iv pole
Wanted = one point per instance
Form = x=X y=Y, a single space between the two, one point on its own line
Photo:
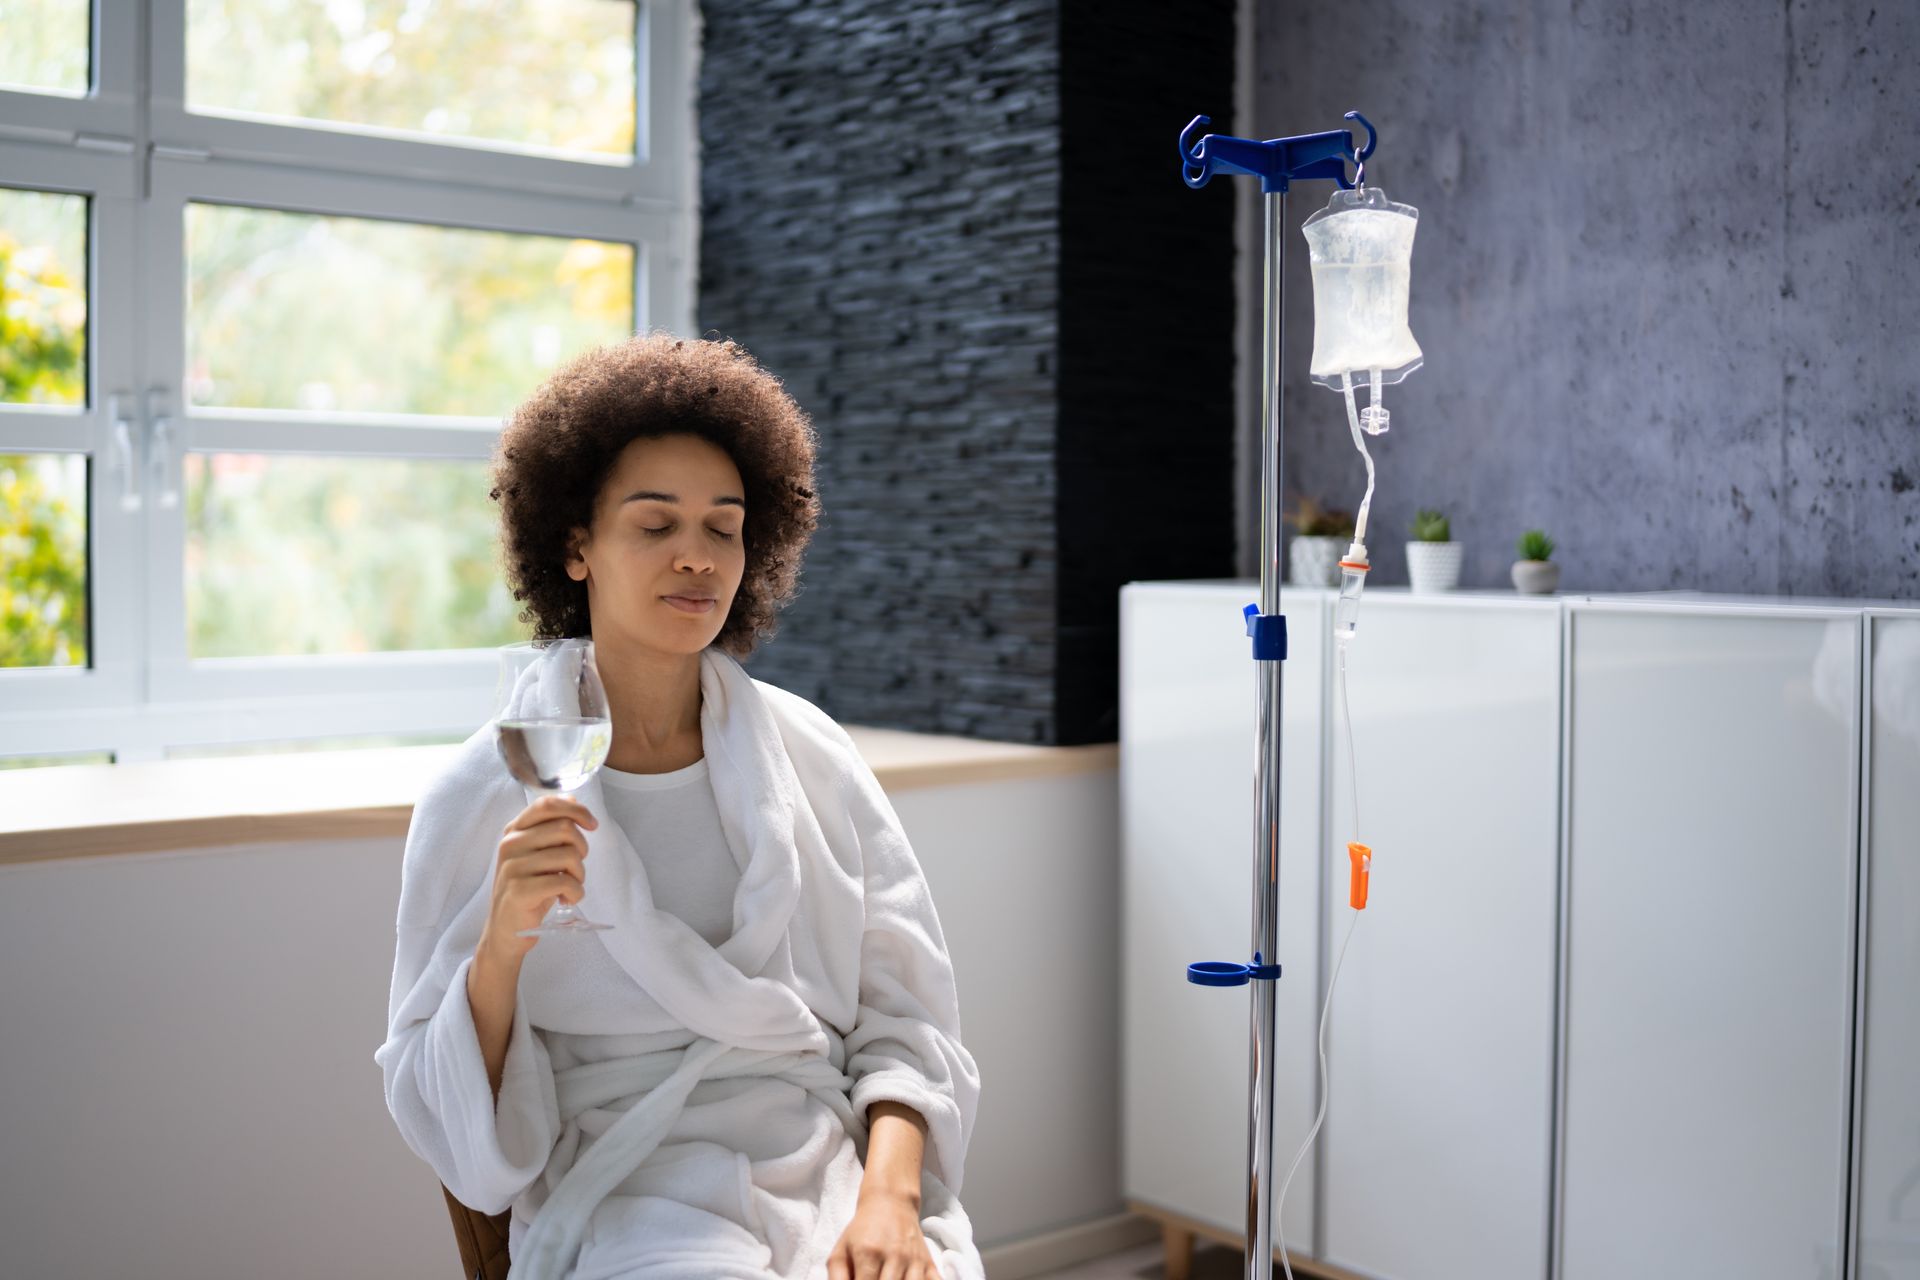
x=1276 y=162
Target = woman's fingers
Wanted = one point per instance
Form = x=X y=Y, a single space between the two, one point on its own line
x=558 y=885
x=550 y=808
x=545 y=835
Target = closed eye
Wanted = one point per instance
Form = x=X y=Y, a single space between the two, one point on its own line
x=669 y=529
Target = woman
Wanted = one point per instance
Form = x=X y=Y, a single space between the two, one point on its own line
x=757 y=1071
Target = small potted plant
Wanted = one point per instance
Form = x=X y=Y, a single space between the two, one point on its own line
x=1433 y=557
x=1320 y=539
x=1534 y=573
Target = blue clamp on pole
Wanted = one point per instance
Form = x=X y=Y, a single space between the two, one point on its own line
x=1277 y=161
x=1269 y=632
x=1225 y=973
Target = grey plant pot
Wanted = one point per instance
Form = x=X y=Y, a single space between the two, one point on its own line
x=1314 y=561
x=1434 y=566
x=1536 y=577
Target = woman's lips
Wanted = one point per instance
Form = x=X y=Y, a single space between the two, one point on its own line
x=686 y=605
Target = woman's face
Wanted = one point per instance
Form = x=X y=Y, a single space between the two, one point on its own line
x=670 y=521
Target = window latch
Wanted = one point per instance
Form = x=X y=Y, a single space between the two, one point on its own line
x=123 y=450
x=162 y=449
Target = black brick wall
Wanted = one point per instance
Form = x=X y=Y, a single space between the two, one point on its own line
x=958 y=233
x=1145 y=446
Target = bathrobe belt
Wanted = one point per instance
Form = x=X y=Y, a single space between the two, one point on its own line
x=655 y=1087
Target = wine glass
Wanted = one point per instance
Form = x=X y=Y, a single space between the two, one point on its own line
x=553 y=729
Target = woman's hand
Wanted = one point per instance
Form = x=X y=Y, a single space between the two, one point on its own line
x=883 y=1242
x=543 y=855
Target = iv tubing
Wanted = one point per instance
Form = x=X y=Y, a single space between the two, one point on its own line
x=1353 y=421
x=1346 y=715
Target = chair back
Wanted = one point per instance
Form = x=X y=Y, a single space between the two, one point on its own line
x=482 y=1237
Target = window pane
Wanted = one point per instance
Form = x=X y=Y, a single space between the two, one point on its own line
x=55 y=761
x=45 y=46
x=304 y=311
x=311 y=554
x=43 y=560
x=43 y=297
x=547 y=76
x=283 y=746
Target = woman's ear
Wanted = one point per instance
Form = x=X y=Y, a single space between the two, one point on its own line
x=576 y=567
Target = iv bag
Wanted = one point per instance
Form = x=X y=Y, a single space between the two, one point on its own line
x=1362 y=250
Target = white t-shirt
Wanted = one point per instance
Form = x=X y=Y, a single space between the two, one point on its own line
x=674 y=825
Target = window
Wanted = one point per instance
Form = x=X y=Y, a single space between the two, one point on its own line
x=271 y=276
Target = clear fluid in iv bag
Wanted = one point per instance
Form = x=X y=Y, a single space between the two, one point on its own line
x=1368 y=330
x=557 y=754
x=1361 y=246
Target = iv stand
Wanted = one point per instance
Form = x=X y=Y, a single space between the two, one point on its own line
x=1275 y=162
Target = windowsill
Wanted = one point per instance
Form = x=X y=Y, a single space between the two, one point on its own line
x=86 y=810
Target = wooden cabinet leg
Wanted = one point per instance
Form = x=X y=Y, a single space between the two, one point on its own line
x=1178 y=1243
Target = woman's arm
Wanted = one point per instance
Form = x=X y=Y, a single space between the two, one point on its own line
x=485 y=1116
x=493 y=985
x=905 y=1045
x=896 y=1141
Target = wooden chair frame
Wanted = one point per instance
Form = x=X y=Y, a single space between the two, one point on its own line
x=482 y=1238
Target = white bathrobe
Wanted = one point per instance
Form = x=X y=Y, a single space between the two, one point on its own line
x=671 y=1109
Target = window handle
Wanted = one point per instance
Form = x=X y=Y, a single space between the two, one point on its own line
x=162 y=449
x=123 y=451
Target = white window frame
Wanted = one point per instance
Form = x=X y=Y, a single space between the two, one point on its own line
x=141 y=164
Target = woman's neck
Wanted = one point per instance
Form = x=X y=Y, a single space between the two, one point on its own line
x=654 y=700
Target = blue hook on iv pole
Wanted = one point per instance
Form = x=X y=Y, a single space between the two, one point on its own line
x=1277 y=161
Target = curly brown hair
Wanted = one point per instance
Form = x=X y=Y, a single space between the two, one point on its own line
x=559 y=447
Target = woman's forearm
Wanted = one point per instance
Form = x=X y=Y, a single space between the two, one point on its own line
x=896 y=1143
x=492 y=989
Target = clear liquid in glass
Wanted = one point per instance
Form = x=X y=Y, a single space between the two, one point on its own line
x=557 y=754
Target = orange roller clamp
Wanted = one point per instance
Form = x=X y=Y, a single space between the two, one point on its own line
x=1362 y=858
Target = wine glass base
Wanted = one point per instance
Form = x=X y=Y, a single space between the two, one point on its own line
x=567 y=927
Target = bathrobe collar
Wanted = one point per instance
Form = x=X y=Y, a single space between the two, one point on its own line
x=743 y=992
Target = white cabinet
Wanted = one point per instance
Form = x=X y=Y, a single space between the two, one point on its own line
x=1710 y=911
x=1634 y=990
x=1440 y=1044
x=1887 y=1221
x=1188 y=700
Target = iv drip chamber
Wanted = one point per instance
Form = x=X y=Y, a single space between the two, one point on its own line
x=1346 y=606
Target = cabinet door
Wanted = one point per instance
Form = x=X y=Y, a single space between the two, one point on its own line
x=1887 y=1224
x=1188 y=703
x=1710 y=907
x=1440 y=1041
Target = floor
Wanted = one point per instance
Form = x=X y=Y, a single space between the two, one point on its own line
x=1146 y=1262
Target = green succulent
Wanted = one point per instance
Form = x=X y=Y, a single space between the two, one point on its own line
x=1535 y=545
x=1431 y=526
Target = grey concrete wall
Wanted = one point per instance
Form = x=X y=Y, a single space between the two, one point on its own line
x=1667 y=281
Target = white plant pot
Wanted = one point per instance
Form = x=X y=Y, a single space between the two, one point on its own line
x=1434 y=566
x=1536 y=577
x=1314 y=561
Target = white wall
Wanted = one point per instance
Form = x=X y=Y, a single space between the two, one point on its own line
x=187 y=1084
